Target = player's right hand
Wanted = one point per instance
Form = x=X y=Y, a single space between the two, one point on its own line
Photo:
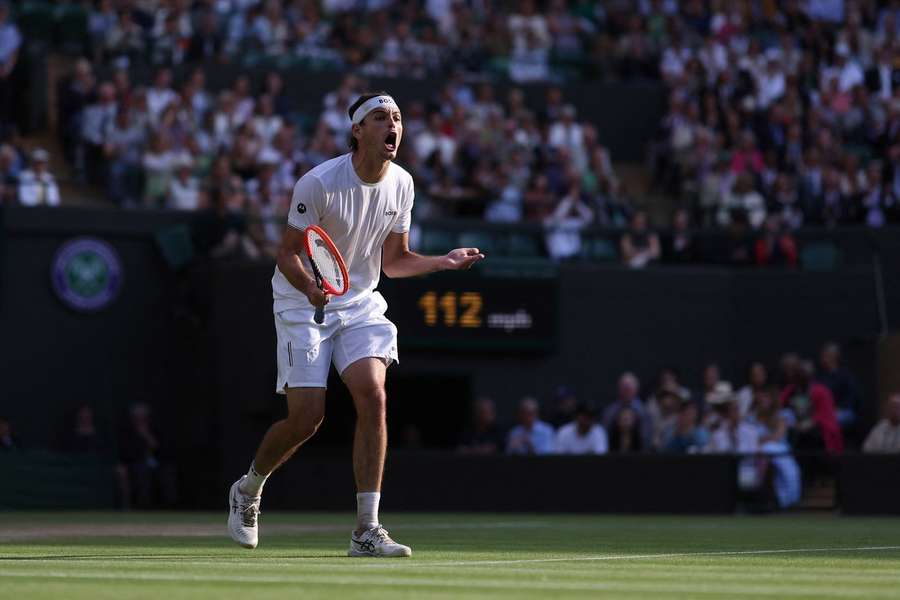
x=316 y=296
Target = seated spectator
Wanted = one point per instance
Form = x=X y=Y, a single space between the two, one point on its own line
x=625 y=436
x=687 y=436
x=484 y=436
x=627 y=398
x=776 y=246
x=679 y=248
x=10 y=41
x=566 y=403
x=757 y=380
x=743 y=199
x=885 y=436
x=9 y=174
x=83 y=436
x=122 y=149
x=812 y=406
x=843 y=386
x=581 y=436
x=531 y=435
x=37 y=186
x=639 y=245
x=711 y=413
x=184 y=189
x=732 y=433
x=771 y=420
x=147 y=475
x=8 y=440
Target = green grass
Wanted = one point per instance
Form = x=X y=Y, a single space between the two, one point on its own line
x=172 y=556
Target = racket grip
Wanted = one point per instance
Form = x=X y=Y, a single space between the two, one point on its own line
x=319 y=317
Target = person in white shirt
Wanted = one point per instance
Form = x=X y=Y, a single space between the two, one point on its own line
x=885 y=436
x=363 y=200
x=37 y=186
x=581 y=436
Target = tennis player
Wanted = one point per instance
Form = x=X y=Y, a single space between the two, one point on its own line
x=363 y=201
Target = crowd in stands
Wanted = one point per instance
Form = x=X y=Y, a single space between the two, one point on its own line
x=142 y=458
x=789 y=109
x=769 y=418
x=778 y=116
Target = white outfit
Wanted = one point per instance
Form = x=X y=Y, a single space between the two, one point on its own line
x=569 y=442
x=358 y=217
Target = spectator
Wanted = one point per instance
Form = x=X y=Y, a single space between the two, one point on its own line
x=184 y=189
x=581 y=436
x=625 y=436
x=563 y=227
x=122 y=146
x=757 y=381
x=10 y=41
x=663 y=410
x=82 y=436
x=742 y=200
x=772 y=423
x=733 y=434
x=8 y=440
x=37 y=186
x=9 y=174
x=484 y=436
x=812 y=407
x=843 y=386
x=531 y=435
x=566 y=403
x=687 y=436
x=776 y=246
x=97 y=118
x=147 y=475
x=885 y=436
x=639 y=245
x=627 y=397
x=679 y=248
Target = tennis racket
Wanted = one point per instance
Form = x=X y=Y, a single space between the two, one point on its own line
x=327 y=265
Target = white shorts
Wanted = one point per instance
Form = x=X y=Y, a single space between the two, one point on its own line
x=305 y=350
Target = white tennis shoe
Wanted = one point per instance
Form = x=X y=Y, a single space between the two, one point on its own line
x=243 y=515
x=376 y=542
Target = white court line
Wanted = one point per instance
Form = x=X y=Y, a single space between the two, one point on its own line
x=781 y=590
x=516 y=561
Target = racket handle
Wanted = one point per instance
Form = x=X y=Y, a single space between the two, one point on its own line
x=320 y=315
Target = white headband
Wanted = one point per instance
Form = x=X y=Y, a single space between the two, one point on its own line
x=371 y=104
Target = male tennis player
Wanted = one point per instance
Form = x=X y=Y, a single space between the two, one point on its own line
x=363 y=201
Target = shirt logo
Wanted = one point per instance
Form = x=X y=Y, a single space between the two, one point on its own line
x=301 y=208
x=390 y=213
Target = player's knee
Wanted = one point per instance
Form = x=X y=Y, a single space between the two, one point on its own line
x=372 y=404
x=305 y=426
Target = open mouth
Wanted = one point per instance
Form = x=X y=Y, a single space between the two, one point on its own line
x=390 y=142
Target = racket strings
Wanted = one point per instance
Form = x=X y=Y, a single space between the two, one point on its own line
x=328 y=265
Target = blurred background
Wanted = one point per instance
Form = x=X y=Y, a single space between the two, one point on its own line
x=690 y=212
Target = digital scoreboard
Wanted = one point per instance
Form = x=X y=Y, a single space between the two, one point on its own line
x=468 y=311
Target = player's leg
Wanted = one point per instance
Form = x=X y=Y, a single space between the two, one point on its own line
x=306 y=411
x=365 y=380
x=303 y=359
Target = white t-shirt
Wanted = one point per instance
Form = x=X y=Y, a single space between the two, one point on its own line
x=569 y=442
x=358 y=217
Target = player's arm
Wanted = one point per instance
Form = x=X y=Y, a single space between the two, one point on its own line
x=291 y=266
x=397 y=260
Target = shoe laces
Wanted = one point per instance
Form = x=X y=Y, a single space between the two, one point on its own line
x=381 y=534
x=249 y=510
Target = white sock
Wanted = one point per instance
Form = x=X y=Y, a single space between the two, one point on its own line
x=253 y=484
x=367 y=510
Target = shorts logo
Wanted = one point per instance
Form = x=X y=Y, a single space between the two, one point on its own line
x=301 y=208
x=390 y=213
x=86 y=274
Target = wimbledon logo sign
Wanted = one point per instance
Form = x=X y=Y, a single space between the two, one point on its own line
x=86 y=274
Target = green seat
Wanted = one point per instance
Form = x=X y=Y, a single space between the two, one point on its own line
x=523 y=245
x=436 y=241
x=820 y=256
x=176 y=245
x=485 y=242
x=599 y=250
x=35 y=20
x=71 y=27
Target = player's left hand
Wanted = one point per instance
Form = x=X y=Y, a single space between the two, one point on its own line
x=462 y=258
